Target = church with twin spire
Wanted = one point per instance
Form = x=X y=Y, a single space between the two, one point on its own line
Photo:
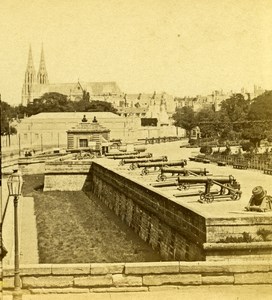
x=36 y=85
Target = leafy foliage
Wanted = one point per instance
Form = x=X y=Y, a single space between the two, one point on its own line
x=8 y=113
x=185 y=118
x=55 y=102
x=237 y=119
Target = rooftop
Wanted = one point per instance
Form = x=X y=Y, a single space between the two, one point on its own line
x=74 y=115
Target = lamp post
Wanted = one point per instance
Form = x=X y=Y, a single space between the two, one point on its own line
x=15 y=182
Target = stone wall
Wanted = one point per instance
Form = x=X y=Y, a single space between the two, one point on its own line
x=70 y=175
x=127 y=277
x=175 y=231
x=36 y=164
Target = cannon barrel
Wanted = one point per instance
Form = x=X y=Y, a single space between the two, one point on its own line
x=121 y=153
x=146 y=159
x=184 y=171
x=165 y=184
x=205 y=179
x=161 y=164
x=144 y=155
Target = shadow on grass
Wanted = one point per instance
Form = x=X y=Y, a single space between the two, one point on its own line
x=75 y=227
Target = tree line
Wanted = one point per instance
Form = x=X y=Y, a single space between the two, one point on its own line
x=49 y=102
x=238 y=118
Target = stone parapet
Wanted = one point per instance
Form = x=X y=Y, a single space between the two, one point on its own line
x=174 y=230
x=127 y=277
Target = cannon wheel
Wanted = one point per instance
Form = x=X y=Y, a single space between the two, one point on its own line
x=184 y=186
x=161 y=177
x=144 y=171
x=132 y=166
x=209 y=197
x=236 y=196
x=202 y=196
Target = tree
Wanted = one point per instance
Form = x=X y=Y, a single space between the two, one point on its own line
x=97 y=105
x=261 y=107
x=236 y=110
x=184 y=117
x=255 y=133
x=50 y=102
x=259 y=119
x=205 y=120
x=8 y=113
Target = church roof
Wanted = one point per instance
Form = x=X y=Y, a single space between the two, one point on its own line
x=74 y=115
x=101 y=88
x=94 y=88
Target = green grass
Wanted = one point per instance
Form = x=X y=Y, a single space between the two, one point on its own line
x=75 y=228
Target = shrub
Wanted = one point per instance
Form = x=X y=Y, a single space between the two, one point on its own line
x=206 y=149
x=247 y=146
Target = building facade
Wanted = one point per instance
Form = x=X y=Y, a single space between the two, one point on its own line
x=36 y=85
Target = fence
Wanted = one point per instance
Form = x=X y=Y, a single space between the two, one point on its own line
x=256 y=162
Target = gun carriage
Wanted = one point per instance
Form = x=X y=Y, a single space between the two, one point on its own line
x=158 y=165
x=135 y=161
x=229 y=187
x=178 y=172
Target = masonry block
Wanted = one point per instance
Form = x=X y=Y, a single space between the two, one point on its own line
x=8 y=283
x=249 y=267
x=163 y=288
x=218 y=279
x=254 y=278
x=224 y=267
x=47 y=282
x=60 y=291
x=71 y=269
x=120 y=289
x=180 y=279
x=123 y=280
x=201 y=267
x=35 y=269
x=91 y=281
x=107 y=268
x=152 y=267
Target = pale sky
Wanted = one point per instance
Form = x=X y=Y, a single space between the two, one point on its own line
x=183 y=47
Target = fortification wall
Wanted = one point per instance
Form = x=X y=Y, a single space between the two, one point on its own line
x=175 y=231
x=128 y=277
x=68 y=175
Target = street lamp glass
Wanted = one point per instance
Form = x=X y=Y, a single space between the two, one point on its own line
x=15 y=183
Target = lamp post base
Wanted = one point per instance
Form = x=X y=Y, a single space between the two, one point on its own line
x=17 y=295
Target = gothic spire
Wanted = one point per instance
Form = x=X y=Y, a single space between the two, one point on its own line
x=30 y=79
x=42 y=76
x=30 y=65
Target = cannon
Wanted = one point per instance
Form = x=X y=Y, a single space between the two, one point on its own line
x=259 y=200
x=121 y=153
x=158 y=165
x=131 y=156
x=185 y=172
x=229 y=187
x=134 y=161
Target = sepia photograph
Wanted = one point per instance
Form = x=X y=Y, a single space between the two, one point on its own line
x=136 y=149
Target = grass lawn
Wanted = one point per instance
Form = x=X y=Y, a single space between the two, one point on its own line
x=76 y=228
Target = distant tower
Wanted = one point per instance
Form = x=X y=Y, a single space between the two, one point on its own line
x=42 y=77
x=30 y=78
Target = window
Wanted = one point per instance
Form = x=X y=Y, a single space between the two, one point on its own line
x=83 y=143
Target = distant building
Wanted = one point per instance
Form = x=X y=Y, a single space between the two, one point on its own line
x=88 y=135
x=195 y=133
x=35 y=86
